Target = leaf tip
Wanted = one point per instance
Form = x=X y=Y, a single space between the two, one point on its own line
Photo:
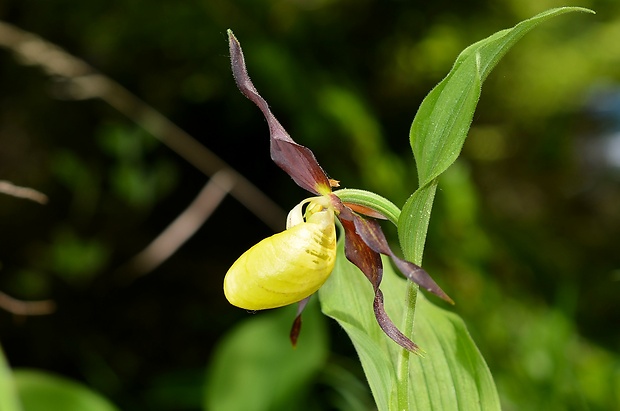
x=584 y=10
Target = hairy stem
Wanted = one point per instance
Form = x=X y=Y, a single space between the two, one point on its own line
x=402 y=369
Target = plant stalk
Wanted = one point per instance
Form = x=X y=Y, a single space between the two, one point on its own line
x=402 y=370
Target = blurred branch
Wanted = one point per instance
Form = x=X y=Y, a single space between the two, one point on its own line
x=185 y=225
x=20 y=307
x=81 y=81
x=6 y=187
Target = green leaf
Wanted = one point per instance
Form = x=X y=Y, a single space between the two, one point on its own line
x=8 y=393
x=451 y=355
x=414 y=220
x=452 y=374
x=437 y=136
x=255 y=368
x=42 y=391
x=442 y=122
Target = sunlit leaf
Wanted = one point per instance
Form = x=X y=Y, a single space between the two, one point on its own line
x=442 y=122
x=437 y=136
x=451 y=375
x=255 y=367
x=42 y=391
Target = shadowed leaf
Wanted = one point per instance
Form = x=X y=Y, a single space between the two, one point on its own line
x=43 y=391
x=8 y=392
x=254 y=367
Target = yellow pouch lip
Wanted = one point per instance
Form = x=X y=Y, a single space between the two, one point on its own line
x=283 y=269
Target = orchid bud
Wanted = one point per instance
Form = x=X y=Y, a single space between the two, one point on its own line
x=289 y=266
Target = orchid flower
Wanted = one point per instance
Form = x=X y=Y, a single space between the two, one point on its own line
x=290 y=266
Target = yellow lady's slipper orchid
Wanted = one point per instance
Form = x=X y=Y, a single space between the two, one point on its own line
x=289 y=266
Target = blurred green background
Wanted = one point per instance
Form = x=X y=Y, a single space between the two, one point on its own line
x=525 y=233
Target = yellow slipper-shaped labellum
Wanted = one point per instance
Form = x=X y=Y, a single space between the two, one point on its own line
x=286 y=267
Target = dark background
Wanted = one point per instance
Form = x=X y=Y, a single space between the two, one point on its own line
x=524 y=234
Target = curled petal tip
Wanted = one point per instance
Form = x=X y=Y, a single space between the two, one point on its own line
x=240 y=73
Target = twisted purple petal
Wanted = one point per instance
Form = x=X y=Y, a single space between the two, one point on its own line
x=296 y=160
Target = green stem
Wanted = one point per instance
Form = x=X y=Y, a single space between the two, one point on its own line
x=402 y=368
x=412 y=230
